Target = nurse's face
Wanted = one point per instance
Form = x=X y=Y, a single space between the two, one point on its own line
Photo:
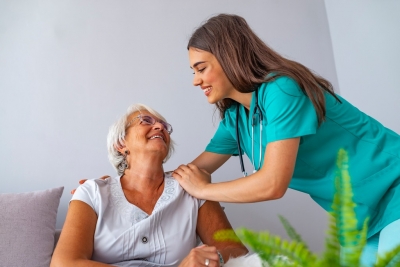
x=208 y=74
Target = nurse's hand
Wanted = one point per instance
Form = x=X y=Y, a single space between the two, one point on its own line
x=192 y=179
x=84 y=180
x=201 y=256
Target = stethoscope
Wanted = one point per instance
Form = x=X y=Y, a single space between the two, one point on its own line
x=257 y=116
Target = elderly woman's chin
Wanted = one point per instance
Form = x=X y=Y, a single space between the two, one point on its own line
x=160 y=146
x=160 y=151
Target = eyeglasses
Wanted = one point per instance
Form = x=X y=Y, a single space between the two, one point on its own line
x=151 y=121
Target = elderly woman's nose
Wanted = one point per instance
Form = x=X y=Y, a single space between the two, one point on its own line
x=158 y=125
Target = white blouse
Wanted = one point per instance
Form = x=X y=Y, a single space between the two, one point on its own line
x=127 y=236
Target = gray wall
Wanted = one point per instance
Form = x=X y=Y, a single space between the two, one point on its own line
x=68 y=69
x=366 y=41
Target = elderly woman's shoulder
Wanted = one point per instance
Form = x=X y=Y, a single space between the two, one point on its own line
x=171 y=184
x=100 y=182
x=169 y=179
x=169 y=174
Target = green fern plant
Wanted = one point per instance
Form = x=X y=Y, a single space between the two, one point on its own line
x=344 y=242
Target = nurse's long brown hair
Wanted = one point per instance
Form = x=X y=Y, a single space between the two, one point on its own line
x=247 y=60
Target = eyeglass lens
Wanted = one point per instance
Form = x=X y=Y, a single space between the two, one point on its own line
x=151 y=121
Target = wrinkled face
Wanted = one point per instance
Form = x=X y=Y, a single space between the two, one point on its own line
x=142 y=137
x=208 y=74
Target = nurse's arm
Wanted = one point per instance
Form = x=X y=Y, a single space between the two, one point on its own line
x=210 y=161
x=270 y=182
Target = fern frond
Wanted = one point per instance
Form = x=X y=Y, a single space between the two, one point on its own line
x=362 y=240
x=344 y=242
x=271 y=249
x=331 y=256
x=224 y=235
x=291 y=232
x=263 y=252
x=352 y=240
x=276 y=251
x=343 y=205
x=390 y=259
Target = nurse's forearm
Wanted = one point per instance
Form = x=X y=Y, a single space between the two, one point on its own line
x=210 y=161
x=253 y=188
x=270 y=182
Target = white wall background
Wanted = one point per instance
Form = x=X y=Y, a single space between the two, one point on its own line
x=68 y=69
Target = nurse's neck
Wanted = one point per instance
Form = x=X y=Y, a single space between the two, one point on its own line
x=243 y=98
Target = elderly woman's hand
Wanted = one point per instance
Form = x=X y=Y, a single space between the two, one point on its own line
x=201 y=256
x=192 y=179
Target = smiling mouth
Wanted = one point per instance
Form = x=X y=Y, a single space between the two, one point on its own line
x=207 y=90
x=157 y=136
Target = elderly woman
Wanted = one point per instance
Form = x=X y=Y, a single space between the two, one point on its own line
x=142 y=217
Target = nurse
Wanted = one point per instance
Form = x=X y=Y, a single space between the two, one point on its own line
x=291 y=125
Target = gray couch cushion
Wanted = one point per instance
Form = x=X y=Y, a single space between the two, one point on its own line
x=27 y=227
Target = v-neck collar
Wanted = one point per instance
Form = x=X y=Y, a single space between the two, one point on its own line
x=134 y=213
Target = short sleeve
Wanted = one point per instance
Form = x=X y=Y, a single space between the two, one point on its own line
x=86 y=192
x=289 y=112
x=200 y=202
x=223 y=142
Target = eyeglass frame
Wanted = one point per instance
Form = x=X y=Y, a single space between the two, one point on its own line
x=163 y=123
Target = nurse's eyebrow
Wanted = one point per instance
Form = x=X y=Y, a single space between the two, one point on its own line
x=197 y=63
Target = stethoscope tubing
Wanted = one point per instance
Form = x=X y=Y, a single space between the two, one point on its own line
x=238 y=142
x=256 y=109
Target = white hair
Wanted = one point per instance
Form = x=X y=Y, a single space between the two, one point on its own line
x=116 y=137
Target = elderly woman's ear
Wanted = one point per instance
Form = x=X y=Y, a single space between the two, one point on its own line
x=120 y=148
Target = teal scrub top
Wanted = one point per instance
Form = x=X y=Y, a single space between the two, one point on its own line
x=373 y=150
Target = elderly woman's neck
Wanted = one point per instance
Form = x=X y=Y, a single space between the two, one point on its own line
x=143 y=176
